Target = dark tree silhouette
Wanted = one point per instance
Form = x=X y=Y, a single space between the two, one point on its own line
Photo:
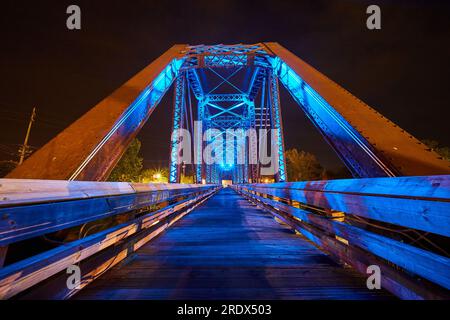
x=130 y=165
x=303 y=166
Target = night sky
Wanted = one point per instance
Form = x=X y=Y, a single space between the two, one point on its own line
x=402 y=70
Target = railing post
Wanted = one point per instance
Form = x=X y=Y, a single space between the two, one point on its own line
x=3 y=251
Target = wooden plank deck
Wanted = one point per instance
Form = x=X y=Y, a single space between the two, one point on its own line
x=229 y=249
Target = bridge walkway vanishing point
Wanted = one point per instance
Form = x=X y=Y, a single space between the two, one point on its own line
x=229 y=249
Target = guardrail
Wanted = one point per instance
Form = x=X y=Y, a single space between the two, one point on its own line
x=377 y=221
x=31 y=209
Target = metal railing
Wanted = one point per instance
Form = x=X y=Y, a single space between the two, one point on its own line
x=124 y=216
x=400 y=224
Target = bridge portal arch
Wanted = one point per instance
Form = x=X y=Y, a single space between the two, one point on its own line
x=369 y=144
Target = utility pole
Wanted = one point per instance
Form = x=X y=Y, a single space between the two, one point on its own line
x=25 y=143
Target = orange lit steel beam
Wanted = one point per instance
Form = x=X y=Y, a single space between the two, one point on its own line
x=370 y=144
x=90 y=147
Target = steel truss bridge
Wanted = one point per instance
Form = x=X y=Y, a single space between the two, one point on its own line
x=56 y=211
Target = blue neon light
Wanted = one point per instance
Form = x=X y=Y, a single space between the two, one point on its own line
x=226 y=60
x=137 y=111
x=177 y=124
x=331 y=122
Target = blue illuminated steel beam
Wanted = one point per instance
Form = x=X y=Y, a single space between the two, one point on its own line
x=220 y=114
x=195 y=83
x=225 y=97
x=175 y=143
x=277 y=125
x=352 y=148
x=227 y=80
x=252 y=168
x=256 y=81
x=226 y=110
x=224 y=60
x=198 y=146
x=224 y=80
x=226 y=56
x=369 y=144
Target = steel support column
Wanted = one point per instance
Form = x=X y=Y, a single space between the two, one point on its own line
x=199 y=141
x=277 y=125
x=177 y=125
x=251 y=146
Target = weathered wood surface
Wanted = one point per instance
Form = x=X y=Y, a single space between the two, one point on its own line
x=229 y=249
x=94 y=266
x=15 y=192
x=421 y=203
x=426 y=264
x=323 y=231
x=30 y=208
x=20 y=276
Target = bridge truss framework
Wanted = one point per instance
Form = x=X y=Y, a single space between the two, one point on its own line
x=369 y=144
x=238 y=108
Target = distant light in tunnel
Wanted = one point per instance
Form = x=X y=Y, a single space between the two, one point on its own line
x=226 y=166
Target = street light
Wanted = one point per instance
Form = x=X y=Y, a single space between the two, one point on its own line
x=157 y=176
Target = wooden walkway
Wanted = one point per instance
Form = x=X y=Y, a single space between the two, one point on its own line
x=229 y=249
